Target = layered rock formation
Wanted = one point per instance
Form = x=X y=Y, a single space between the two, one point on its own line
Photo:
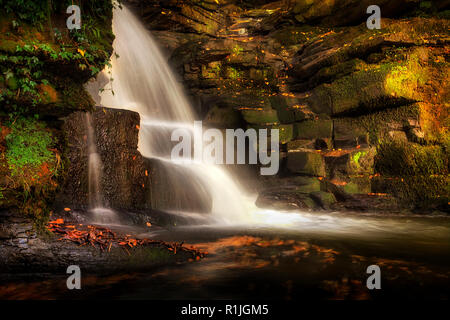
x=363 y=114
x=128 y=181
x=122 y=171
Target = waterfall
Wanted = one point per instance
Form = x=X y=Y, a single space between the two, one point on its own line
x=143 y=82
x=97 y=207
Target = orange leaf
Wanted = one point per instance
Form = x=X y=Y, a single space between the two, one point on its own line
x=57 y=221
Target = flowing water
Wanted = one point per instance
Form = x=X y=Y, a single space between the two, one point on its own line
x=253 y=253
x=143 y=82
x=325 y=257
x=100 y=214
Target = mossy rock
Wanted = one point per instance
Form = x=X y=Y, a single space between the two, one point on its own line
x=422 y=191
x=348 y=134
x=314 y=129
x=264 y=116
x=323 y=199
x=285 y=109
x=223 y=118
x=377 y=86
x=286 y=132
x=358 y=185
x=361 y=161
x=306 y=184
x=372 y=128
x=396 y=158
x=342 y=164
x=285 y=199
x=298 y=145
x=303 y=162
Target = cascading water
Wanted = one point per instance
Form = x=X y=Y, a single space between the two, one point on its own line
x=143 y=82
x=100 y=213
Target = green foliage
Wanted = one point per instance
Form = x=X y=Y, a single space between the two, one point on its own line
x=26 y=68
x=35 y=11
x=27 y=145
x=28 y=10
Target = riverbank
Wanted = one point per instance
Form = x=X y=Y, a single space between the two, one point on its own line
x=324 y=258
x=99 y=249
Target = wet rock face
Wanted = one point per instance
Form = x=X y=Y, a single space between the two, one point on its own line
x=339 y=93
x=128 y=181
x=124 y=183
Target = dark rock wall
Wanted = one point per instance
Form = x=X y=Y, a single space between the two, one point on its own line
x=124 y=181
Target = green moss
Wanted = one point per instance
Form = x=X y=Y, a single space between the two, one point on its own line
x=233 y=73
x=422 y=192
x=323 y=199
x=395 y=158
x=237 y=50
x=376 y=124
x=314 y=129
x=372 y=87
x=358 y=185
x=264 y=116
x=308 y=163
x=306 y=184
x=286 y=132
x=405 y=78
x=285 y=111
x=294 y=35
x=28 y=145
x=357 y=156
x=329 y=74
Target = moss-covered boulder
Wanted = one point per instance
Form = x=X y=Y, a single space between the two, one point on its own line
x=306 y=184
x=323 y=199
x=306 y=162
x=260 y=116
x=314 y=129
x=223 y=118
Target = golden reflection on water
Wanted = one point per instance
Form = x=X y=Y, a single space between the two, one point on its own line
x=339 y=275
